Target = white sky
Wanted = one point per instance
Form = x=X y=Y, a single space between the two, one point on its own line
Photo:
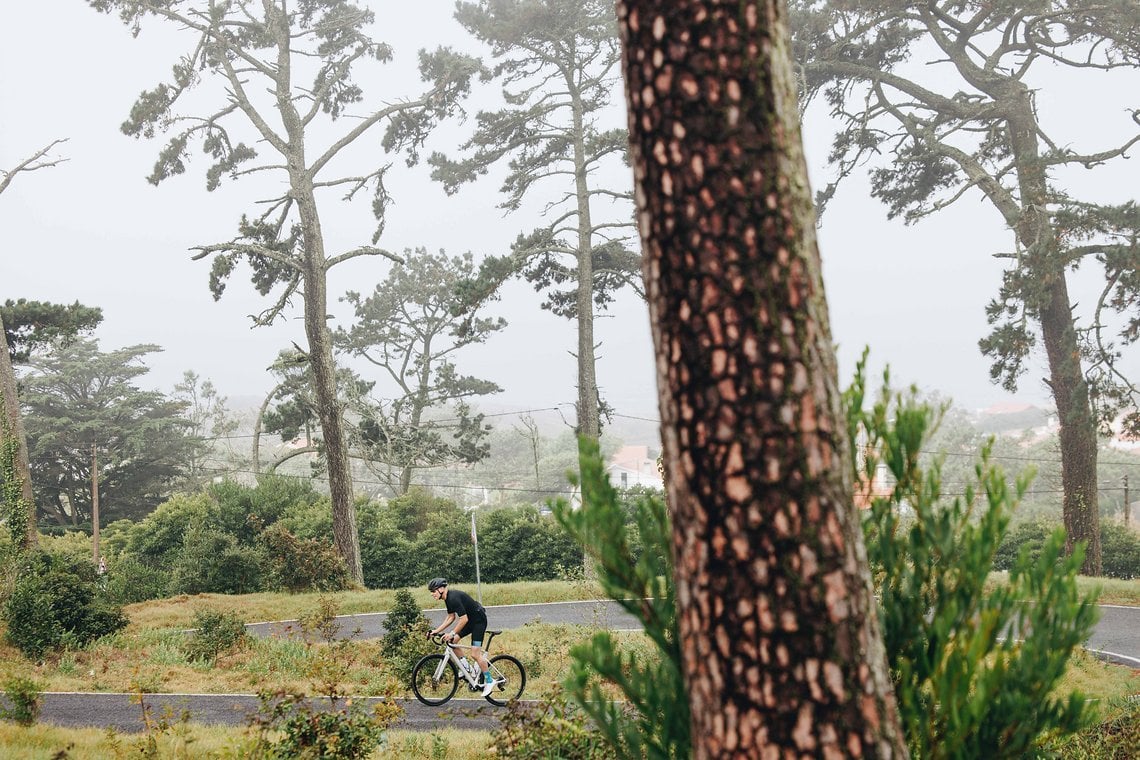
x=93 y=230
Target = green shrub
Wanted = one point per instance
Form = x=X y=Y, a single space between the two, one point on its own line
x=401 y=620
x=288 y=728
x=213 y=562
x=129 y=580
x=1120 y=551
x=159 y=536
x=405 y=639
x=548 y=729
x=1028 y=536
x=388 y=557
x=517 y=543
x=302 y=564
x=215 y=633
x=55 y=602
x=1119 y=546
x=24 y=697
x=974 y=674
x=243 y=511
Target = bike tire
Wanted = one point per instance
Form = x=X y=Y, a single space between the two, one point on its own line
x=510 y=668
x=426 y=689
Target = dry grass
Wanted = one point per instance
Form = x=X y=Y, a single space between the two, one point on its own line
x=216 y=743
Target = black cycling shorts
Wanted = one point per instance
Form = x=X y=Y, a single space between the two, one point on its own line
x=477 y=629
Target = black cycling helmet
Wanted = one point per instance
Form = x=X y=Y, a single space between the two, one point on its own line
x=436 y=583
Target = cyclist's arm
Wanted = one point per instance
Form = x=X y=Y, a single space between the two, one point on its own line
x=446 y=622
x=459 y=623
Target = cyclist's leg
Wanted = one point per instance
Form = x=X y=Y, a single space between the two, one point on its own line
x=463 y=651
x=478 y=633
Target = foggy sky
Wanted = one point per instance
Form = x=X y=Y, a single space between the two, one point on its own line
x=93 y=230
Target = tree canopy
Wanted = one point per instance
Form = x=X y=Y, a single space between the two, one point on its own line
x=407 y=329
x=286 y=73
x=81 y=402
x=939 y=101
x=556 y=61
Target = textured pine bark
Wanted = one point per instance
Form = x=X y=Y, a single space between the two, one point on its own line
x=1077 y=434
x=781 y=647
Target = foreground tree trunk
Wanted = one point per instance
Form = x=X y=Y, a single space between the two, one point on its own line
x=780 y=642
x=14 y=427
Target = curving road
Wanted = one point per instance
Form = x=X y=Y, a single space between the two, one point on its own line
x=1116 y=638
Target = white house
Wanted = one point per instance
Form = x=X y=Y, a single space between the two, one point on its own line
x=634 y=466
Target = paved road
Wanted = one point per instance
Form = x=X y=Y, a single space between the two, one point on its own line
x=1116 y=638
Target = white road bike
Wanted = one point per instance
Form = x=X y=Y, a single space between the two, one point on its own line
x=436 y=677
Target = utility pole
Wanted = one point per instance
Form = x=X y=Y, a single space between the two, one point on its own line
x=95 y=503
x=1127 y=504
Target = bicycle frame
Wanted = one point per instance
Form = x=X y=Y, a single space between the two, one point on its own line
x=468 y=675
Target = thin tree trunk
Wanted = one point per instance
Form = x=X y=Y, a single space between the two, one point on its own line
x=781 y=647
x=321 y=362
x=11 y=403
x=589 y=419
x=1053 y=308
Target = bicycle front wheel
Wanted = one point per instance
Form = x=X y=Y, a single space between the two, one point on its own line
x=510 y=678
x=428 y=689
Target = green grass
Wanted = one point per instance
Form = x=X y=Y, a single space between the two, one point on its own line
x=177 y=612
x=1108 y=590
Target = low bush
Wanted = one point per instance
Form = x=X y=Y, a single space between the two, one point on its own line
x=1115 y=738
x=550 y=728
x=289 y=728
x=297 y=564
x=24 y=697
x=56 y=603
x=1119 y=547
x=129 y=581
x=213 y=562
x=1119 y=551
x=215 y=633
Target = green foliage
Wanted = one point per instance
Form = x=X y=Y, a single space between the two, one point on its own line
x=81 y=400
x=404 y=616
x=518 y=544
x=1120 y=551
x=303 y=564
x=387 y=555
x=551 y=729
x=215 y=633
x=242 y=511
x=24 y=697
x=1120 y=547
x=407 y=327
x=657 y=721
x=31 y=325
x=211 y=561
x=974 y=673
x=56 y=603
x=15 y=510
x=405 y=640
x=158 y=537
x=129 y=580
x=289 y=728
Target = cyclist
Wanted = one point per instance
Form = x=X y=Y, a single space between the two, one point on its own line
x=469 y=617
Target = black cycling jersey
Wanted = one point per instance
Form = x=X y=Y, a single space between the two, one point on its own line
x=462 y=604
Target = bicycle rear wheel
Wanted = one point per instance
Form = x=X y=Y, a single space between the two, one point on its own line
x=510 y=679
x=427 y=689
